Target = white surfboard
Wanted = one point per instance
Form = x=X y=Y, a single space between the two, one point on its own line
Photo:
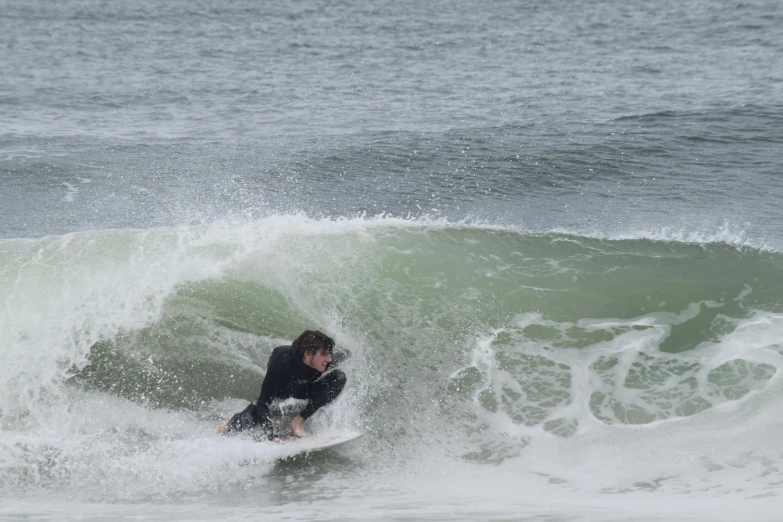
x=317 y=442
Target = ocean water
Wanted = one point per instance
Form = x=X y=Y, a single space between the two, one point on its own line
x=549 y=233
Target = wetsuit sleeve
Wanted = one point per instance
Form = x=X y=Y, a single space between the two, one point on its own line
x=323 y=391
x=327 y=388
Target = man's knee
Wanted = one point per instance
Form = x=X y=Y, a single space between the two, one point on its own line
x=243 y=420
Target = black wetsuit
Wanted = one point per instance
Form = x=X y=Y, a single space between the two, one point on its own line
x=288 y=377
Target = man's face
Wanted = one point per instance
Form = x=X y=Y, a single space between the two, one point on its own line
x=318 y=360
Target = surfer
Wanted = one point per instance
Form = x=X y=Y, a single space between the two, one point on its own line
x=300 y=371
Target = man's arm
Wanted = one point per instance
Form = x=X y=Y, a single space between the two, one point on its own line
x=295 y=426
x=322 y=392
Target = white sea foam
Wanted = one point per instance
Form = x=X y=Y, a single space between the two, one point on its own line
x=727 y=233
x=71 y=193
x=732 y=448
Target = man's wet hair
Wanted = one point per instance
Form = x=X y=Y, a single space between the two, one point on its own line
x=312 y=341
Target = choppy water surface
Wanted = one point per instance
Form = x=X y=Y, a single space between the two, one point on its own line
x=549 y=234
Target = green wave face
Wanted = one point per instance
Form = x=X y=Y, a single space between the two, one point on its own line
x=486 y=335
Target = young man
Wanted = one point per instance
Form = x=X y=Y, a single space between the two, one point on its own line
x=298 y=371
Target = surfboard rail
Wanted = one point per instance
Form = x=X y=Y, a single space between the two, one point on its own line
x=318 y=442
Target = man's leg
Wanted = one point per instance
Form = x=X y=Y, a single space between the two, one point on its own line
x=247 y=419
x=243 y=420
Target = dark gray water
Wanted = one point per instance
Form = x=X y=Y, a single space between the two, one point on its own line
x=549 y=232
x=600 y=117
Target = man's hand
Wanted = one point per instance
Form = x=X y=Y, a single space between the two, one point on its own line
x=295 y=428
x=221 y=428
